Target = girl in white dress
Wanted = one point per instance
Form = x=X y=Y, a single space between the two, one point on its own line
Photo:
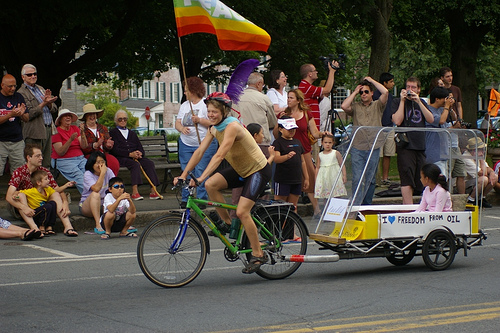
x=327 y=169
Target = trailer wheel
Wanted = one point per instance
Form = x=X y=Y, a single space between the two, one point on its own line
x=404 y=257
x=439 y=250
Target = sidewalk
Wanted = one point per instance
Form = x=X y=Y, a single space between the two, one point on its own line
x=149 y=210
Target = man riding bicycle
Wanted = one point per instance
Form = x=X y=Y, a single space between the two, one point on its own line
x=248 y=169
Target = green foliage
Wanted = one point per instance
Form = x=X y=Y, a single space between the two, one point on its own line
x=108 y=118
x=99 y=94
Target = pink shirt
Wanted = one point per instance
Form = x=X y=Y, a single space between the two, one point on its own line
x=63 y=136
x=439 y=200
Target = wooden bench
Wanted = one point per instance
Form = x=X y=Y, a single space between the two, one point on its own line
x=156 y=149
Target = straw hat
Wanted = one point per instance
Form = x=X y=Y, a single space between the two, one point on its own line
x=62 y=112
x=90 y=108
x=475 y=143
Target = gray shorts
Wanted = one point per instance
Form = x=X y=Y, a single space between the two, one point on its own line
x=4 y=223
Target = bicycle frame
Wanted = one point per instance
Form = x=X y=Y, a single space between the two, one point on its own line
x=235 y=248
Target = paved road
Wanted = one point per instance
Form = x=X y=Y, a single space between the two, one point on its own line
x=84 y=284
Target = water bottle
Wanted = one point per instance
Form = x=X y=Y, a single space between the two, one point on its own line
x=235 y=228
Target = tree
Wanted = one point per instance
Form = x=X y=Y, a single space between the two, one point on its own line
x=104 y=98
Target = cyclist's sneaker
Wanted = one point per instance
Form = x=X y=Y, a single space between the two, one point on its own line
x=221 y=225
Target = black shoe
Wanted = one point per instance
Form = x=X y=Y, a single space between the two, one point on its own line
x=183 y=204
x=471 y=202
x=202 y=207
x=222 y=226
x=485 y=203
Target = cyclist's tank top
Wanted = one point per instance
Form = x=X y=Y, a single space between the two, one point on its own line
x=245 y=156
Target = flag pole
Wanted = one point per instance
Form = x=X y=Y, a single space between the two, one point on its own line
x=186 y=88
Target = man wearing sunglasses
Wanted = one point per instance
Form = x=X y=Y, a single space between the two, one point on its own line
x=40 y=105
x=366 y=112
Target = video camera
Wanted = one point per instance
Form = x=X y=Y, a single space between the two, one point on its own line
x=331 y=57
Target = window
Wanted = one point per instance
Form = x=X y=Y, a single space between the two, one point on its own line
x=175 y=96
x=68 y=83
x=160 y=91
x=146 y=89
x=211 y=88
x=132 y=90
x=160 y=116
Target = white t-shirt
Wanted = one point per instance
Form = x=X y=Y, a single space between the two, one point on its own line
x=200 y=110
x=277 y=98
x=122 y=208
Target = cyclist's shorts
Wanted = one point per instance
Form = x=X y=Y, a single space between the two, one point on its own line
x=253 y=185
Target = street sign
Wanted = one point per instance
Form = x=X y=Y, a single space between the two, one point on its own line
x=147 y=114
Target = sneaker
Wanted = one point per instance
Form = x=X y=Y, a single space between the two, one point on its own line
x=154 y=196
x=221 y=225
x=485 y=203
x=136 y=197
x=183 y=204
x=386 y=182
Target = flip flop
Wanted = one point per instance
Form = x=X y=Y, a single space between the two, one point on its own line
x=105 y=236
x=30 y=234
x=130 y=235
x=132 y=229
x=49 y=233
x=67 y=233
x=99 y=231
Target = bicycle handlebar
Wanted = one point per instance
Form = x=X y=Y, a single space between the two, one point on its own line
x=182 y=182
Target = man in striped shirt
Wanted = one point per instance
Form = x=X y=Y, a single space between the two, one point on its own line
x=313 y=94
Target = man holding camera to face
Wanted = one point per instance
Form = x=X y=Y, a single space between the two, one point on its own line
x=411 y=111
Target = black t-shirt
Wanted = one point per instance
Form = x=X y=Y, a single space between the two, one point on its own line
x=11 y=129
x=413 y=118
x=290 y=171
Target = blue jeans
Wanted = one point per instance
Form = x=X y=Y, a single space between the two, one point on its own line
x=359 y=160
x=185 y=153
x=72 y=169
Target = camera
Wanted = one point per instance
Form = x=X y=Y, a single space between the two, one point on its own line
x=329 y=60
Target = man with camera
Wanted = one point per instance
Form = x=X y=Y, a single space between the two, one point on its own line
x=411 y=111
x=367 y=112
x=314 y=94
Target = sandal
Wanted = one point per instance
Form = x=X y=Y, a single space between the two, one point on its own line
x=71 y=233
x=99 y=231
x=254 y=264
x=30 y=234
x=105 y=236
x=49 y=232
x=130 y=235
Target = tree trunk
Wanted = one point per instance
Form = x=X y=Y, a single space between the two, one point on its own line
x=465 y=43
x=380 y=38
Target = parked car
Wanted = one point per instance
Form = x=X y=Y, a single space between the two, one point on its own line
x=166 y=131
x=140 y=130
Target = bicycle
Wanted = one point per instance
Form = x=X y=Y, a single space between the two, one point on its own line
x=173 y=249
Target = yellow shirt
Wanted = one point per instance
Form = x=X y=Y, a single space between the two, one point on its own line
x=35 y=198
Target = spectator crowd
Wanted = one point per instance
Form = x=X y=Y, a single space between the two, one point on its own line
x=38 y=139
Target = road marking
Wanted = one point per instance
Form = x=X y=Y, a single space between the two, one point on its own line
x=101 y=277
x=56 y=252
x=492 y=217
x=390 y=322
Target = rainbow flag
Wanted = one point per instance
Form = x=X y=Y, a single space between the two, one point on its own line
x=494 y=103
x=233 y=31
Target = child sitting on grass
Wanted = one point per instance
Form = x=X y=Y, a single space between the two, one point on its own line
x=119 y=210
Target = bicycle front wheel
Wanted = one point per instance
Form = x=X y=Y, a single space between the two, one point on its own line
x=164 y=266
x=287 y=227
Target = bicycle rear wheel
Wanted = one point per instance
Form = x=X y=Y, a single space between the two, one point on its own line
x=287 y=227
x=165 y=267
